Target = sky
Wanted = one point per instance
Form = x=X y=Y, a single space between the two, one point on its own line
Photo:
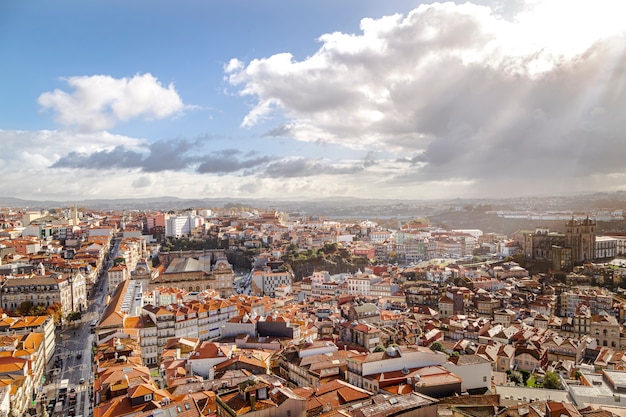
x=297 y=100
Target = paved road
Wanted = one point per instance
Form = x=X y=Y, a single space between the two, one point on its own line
x=74 y=348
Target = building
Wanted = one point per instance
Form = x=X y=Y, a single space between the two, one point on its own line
x=596 y=299
x=266 y=281
x=581 y=237
x=410 y=405
x=474 y=370
x=67 y=290
x=256 y=397
x=31 y=324
x=394 y=358
x=196 y=274
x=605 y=247
x=364 y=313
x=116 y=274
x=181 y=225
x=606 y=330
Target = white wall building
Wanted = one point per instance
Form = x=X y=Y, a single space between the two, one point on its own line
x=474 y=370
x=177 y=226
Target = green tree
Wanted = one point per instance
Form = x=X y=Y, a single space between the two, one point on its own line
x=515 y=377
x=379 y=348
x=552 y=381
x=525 y=375
x=436 y=347
x=39 y=310
x=24 y=308
x=74 y=316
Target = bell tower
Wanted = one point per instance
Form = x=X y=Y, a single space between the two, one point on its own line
x=581 y=237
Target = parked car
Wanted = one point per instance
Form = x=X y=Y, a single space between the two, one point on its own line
x=82 y=381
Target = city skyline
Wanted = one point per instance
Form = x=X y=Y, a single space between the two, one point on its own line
x=303 y=100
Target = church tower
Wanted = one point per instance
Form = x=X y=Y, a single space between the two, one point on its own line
x=581 y=237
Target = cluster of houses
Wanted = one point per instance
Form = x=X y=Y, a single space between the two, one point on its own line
x=178 y=335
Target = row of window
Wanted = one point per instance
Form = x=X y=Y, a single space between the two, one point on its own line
x=39 y=288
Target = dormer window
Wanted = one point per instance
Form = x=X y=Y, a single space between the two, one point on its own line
x=147 y=397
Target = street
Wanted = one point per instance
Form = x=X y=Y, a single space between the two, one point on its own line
x=73 y=356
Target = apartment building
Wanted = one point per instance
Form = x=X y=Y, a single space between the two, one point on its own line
x=147 y=331
x=265 y=281
x=359 y=284
x=31 y=324
x=165 y=323
x=116 y=275
x=181 y=225
x=391 y=360
x=596 y=299
x=68 y=290
x=606 y=330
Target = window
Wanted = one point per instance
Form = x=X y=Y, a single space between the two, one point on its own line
x=484 y=379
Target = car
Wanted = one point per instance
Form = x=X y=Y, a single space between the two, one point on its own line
x=79 y=355
x=71 y=411
x=73 y=389
x=82 y=381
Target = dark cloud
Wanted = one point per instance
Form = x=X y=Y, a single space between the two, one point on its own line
x=174 y=155
x=118 y=157
x=304 y=167
x=183 y=154
x=163 y=155
x=221 y=163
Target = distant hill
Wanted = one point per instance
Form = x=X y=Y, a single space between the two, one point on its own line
x=453 y=213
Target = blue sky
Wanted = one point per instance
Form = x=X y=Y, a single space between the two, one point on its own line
x=301 y=99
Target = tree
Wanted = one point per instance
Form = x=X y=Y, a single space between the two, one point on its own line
x=552 y=381
x=73 y=316
x=55 y=311
x=515 y=377
x=25 y=308
x=379 y=348
x=436 y=347
x=525 y=375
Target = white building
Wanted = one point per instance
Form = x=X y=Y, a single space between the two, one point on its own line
x=393 y=359
x=360 y=284
x=177 y=226
x=474 y=370
x=115 y=275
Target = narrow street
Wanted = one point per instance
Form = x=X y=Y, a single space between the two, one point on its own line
x=73 y=357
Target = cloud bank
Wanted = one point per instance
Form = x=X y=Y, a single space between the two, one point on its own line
x=460 y=93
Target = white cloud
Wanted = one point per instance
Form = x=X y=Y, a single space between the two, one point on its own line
x=233 y=65
x=462 y=90
x=98 y=102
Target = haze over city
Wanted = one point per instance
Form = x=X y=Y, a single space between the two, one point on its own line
x=377 y=99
